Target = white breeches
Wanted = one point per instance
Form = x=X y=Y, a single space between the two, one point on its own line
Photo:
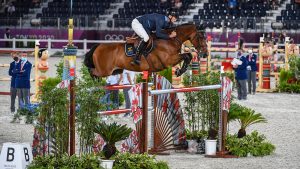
x=139 y=30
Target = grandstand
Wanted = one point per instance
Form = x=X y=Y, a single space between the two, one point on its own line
x=240 y=15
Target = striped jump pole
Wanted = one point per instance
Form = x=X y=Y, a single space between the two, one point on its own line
x=185 y=89
x=117 y=87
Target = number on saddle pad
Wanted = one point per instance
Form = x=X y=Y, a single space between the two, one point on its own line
x=131 y=44
x=130 y=49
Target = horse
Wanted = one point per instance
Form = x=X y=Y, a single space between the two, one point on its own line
x=110 y=58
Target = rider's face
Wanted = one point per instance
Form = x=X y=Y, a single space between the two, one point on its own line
x=173 y=19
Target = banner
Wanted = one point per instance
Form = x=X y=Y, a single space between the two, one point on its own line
x=227 y=90
x=135 y=95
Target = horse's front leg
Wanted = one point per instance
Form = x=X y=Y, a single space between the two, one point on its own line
x=187 y=57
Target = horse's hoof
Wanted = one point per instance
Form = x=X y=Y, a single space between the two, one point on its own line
x=177 y=72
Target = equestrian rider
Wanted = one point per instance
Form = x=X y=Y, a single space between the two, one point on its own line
x=145 y=24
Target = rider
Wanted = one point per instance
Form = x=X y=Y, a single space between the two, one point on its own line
x=145 y=24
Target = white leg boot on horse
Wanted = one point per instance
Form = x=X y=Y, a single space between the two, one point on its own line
x=138 y=53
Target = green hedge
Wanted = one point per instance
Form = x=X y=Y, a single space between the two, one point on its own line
x=252 y=144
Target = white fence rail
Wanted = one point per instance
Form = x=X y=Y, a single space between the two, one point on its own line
x=49 y=44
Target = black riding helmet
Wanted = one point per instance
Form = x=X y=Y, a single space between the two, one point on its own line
x=173 y=12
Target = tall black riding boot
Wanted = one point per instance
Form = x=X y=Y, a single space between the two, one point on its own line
x=138 y=53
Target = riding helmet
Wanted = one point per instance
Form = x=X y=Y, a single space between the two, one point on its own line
x=173 y=12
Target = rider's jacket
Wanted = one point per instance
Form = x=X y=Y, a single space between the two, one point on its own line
x=155 y=22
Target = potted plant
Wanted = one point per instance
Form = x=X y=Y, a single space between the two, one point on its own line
x=111 y=133
x=247 y=118
x=191 y=141
x=211 y=142
x=201 y=137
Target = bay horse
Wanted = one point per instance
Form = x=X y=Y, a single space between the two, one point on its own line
x=110 y=58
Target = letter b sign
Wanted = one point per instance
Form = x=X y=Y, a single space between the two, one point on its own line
x=15 y=156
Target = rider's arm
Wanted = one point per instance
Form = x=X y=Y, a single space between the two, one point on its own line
x=159 y=33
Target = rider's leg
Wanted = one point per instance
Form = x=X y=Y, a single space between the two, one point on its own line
x=141 y=46
x=140 y=31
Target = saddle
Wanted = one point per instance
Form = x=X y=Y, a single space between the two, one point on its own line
x=131 y=45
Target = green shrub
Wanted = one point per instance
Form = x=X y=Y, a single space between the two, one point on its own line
x=253 y=144
x=138 y=161
x=285 y=85
x=196 y=135
x=203 y=106
x=49 y=84
x=167 y=73
x=65 y=162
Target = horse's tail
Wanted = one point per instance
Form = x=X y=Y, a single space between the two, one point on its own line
x=88 y=59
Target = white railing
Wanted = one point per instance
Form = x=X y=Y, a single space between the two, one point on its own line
x=49 y=44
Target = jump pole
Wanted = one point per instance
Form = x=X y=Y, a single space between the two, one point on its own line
x=36 y=74
x=184 y=89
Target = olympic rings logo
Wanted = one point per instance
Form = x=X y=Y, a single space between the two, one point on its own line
x=113 y=37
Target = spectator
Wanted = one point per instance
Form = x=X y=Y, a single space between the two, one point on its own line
x=36 y=3
x=232 y=4
x=128 y=78
x=7 y=36
x=241 y=76
x=293 y=49
x=12 y=72
x=177 y=4
x=274 y=4
x=114 y=94
x=11 y=9
x=23 y=81
x=281 y=38
x=251 y=71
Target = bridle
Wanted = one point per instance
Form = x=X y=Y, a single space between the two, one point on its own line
x=197 y=36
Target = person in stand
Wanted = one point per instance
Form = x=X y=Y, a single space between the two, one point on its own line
x=241 y=76
x=23 y=81
x=251 y=71
x=128 y=78
x=11 y=9
x=13 y=73
x=114 y=94
x=145 y=24
x=7 y=36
